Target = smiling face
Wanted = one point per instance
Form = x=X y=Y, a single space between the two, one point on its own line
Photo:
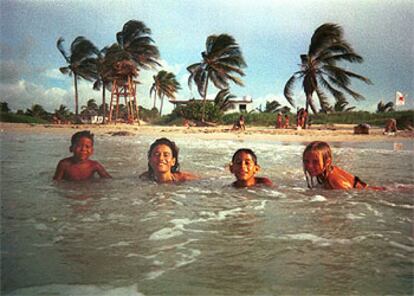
x=244 y=166
x=82 y=149
x=161 y=159
x=314 y=164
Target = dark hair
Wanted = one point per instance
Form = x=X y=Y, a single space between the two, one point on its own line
x=83 y=134
x=245 y=150
x=174 y=149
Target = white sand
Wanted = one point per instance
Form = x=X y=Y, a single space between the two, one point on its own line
x=332 y=133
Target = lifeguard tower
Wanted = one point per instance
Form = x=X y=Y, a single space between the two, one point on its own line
x=123 y=85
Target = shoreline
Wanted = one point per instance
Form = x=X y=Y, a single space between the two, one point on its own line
x=331 y=133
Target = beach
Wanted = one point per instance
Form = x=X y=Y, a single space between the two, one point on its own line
x=327 y=133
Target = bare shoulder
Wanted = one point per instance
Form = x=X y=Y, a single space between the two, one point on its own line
x=185 y=176
x=144 y=175
x=264 y=181
x=340 y=179
x=94 y=163
x=65 y=162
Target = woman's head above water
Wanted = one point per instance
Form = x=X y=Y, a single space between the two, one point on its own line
x=163 y=157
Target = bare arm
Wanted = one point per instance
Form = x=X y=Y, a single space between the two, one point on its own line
x=60 y=170
x=186 y=176
x=101 y=171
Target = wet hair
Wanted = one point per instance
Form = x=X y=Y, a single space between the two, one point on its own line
x=83 y=134
x=324 y=150
x=174 y=149
x=245 y=150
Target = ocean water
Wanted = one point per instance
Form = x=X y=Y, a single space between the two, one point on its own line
x=127 y=236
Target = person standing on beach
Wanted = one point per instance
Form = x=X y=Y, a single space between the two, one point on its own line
x=239 y=124
x=286 y=125
x=279 y=120
x=79 y=167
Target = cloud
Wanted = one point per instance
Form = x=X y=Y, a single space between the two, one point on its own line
x=55 y=74
x=23 y=94
x=11 y=71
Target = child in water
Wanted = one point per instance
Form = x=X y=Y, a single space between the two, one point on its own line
x=79 y=167
x=163 y=165
x=317 y=163
x=244 y=167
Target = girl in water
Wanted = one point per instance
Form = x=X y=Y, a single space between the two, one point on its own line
x=163 y=165
x=317 y=164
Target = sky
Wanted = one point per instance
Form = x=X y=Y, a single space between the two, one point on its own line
x=271 y=34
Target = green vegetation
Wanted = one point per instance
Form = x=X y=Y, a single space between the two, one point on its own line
x=404 y=118
x=18 y=118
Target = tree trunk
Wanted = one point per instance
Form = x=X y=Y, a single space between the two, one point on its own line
x=103 y=103
x=155 y=98
x=308 y=101
x=75 y=83
x=205 y=99
x=162 y=103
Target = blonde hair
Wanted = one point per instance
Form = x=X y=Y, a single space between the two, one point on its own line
x=324 y=151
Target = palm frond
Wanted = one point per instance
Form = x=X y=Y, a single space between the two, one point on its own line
x=323 y=99
x=324 y=36
x=218 y=80
x=288 y=90
x=349 y=57
x=59 y=45
x=65 y=70
x=338 y=95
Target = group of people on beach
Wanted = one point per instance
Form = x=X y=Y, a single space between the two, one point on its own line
x=279 y=121
x=164 y=166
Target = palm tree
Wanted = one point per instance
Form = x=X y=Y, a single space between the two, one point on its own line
x=341 y=106
x=319 y=69
x=135 y=40
x=81 y=62
x=221 y=60
x=103 y=80
x=37 y=111
x=4 y=107
x=62 y=113
x=134 y=48
x=165 y=84
x=388 y=107
x=222 y=100
x=90 y=108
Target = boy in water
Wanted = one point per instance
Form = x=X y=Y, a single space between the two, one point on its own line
x=244 y=167
x=79 y=167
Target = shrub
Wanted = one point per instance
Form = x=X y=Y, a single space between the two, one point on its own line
x=11 y=117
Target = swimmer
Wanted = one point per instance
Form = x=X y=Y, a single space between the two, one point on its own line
x=79 y=167
x=163 y=165
x=244 y=167
x=317 y=163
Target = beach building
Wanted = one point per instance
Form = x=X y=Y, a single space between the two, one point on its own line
x=243 y=104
